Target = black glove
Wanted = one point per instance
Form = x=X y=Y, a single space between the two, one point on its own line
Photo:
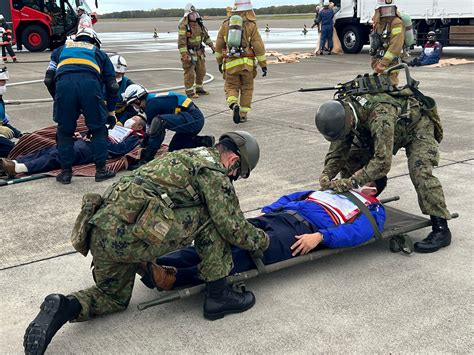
x=264 y=71
x=220 y=68
x=111 y=121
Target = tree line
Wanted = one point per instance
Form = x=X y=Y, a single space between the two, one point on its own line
x=270 y=10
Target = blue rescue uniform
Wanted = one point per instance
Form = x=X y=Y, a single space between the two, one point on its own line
x=6 y=145
x=281 y=225
x=326 y=17
x=81 y=72
x=179 y=114
x=122 y=111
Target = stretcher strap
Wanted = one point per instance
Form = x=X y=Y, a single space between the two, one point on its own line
x=365 y=211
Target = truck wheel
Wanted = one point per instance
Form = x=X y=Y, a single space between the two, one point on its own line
x=35 y=38
x=352 y=39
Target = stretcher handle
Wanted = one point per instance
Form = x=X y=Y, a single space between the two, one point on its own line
x=389 y=199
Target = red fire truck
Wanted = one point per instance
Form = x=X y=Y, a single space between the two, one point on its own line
x=42 y=24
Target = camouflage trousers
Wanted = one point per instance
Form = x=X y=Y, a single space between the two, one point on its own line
x=423 y=155
x=117 y=253
x=240 y=84
x=194 y=74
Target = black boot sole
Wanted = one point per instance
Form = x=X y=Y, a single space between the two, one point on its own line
x=64 y=182
x=103 y=178
x=220 y=315
x=39 y=333
x=236 y=115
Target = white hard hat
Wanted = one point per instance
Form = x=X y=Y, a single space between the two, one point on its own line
x=384 y=3
x=188 y=9
x=242 y=5
x=81 y=8
x=1 y=17
x=88 y=32
x=4 y=74
x=326 y=3
x=119 y=62
x=134 y=92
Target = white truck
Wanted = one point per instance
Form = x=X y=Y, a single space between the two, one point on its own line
x=453 y=20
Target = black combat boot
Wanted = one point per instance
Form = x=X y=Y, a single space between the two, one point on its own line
x=56 y=310
x=440 y=237
x=236 y=114
x=204 y=141
x=65 y=176
x=101 y=172
x=221 y=300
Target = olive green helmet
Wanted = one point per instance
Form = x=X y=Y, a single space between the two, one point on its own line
x=333 y=120
x=248 y=149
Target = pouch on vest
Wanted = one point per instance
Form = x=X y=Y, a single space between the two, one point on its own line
x=81 y=231
x=429 y=109
x=154 y=222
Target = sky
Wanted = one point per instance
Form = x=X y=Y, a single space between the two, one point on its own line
x=121 y=5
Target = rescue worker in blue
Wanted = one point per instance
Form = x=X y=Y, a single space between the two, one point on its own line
x=173 y=111
x=7 y=131
x=75 y=77
x=296 y=224
x=326 y=18
x=122 y=111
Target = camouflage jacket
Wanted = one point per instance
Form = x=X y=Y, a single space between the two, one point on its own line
x=191 y=35
x=385 y=124
x=189 y=177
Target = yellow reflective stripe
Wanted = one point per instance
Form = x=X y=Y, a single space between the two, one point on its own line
x=80 y=61
x=183 y=49
x=218 y=54
x=396 y=31
x=186 y=102
x=225 y=39
x=195 y=39
x=232 y=100
x=261 y=58
x=389 y=56
x=181 y=32
x=239 y=61
x=244 y=109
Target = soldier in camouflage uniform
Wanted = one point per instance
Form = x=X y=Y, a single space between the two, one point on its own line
x=365 y=131
x=387 y=23
x=191 y=35
x=163 y=206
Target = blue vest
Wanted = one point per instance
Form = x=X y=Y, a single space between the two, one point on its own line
x=2 y=111
x=78 y=56
x=167 y=103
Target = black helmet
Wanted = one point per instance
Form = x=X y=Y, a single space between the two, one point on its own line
x=249 y=150
x=333 y=120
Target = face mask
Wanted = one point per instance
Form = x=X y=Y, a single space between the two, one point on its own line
x=3 y=90
x=129 y=123
x=119 y=79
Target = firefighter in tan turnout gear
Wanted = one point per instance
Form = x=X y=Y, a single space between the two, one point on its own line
x=239 y=47
x=388 y=38
x=191 y=35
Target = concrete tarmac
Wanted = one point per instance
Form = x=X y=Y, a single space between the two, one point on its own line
x=367 y=300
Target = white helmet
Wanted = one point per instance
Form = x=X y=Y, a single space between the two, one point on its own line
x=4 y=74
x=188 y=9
x=384 y=3
x=242 y=5
x=81 y=8
x=1 y=17
x=134 y=92
x=90 y=33
x=325 y=2
x=119 y=62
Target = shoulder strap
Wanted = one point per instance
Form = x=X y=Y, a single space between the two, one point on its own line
x=365 y=211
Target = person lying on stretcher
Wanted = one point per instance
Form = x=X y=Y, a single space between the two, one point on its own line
x=121 y=141
x=296 y=224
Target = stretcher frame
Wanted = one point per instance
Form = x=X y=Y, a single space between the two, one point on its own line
x=418 y=222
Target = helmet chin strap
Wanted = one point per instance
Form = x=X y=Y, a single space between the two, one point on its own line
x=356 y=118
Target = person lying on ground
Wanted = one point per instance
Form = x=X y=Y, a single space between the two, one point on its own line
x=296 y=224
x=7 y=131
x=121 y=141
